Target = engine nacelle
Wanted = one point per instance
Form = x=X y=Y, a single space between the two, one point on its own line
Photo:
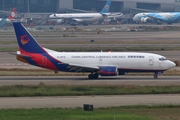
x=77 y=20
x=145 y=19
x=59 y=21
x=108 y=71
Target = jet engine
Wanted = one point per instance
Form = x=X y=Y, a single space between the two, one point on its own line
x=108 y=71
x=59 y=21
x=145 y=19
x=77 y=20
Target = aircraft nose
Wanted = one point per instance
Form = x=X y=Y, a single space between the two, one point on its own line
x=171 y=64
x=134 y=18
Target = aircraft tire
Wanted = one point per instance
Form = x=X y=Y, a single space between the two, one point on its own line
x=93 y=76
x=90 y=76
x=155 y=76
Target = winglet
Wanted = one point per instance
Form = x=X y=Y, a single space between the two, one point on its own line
x=26 y=42
x=106 y=7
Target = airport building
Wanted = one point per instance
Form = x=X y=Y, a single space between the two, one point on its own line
x=53 y=6
x=125 y=6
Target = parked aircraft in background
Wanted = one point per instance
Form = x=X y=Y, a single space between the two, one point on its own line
x=75 y=18
x=158 y=17
x=96 y=63
x=115 y=15
x=11 y=17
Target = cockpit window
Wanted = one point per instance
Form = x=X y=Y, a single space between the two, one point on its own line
x=162 y=58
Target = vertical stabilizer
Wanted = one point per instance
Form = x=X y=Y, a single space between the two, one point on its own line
x=106 y=7
x=12 y=15
x=26 y=42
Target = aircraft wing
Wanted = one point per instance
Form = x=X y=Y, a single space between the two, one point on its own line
x=105 y=14
x=155 y=17
x=115 y=15
x=82 y=68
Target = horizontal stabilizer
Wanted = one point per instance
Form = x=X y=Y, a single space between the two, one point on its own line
x=20 y=55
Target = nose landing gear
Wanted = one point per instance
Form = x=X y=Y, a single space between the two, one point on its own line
x=157 y=73
x=155 y=76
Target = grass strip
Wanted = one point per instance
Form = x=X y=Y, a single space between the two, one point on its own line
x=65 y=90
x=162 y=112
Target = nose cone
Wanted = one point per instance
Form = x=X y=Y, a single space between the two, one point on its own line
x=52 y=16
x=171 y=64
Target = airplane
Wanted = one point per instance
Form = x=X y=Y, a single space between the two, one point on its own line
x=74 y=18
x=159 y=17
x=96 y=63
x=109 y=16
x=11 y=17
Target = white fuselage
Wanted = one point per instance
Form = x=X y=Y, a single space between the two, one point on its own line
x=79 y=17
x=122 y=60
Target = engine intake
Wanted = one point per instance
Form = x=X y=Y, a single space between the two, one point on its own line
x=145 y=19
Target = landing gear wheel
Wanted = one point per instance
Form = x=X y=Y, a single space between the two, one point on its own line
x=155 y=76
x=90 y=76
x=93 y=76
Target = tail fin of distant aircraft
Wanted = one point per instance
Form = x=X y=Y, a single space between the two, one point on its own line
x=106 y=7
x=26 y=42
x=12 y=15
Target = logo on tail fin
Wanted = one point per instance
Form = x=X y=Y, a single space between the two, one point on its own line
x=107 y=7
x=13 y=14
x=24 y=39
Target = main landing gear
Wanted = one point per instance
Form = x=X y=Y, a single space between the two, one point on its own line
x=93 y=76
